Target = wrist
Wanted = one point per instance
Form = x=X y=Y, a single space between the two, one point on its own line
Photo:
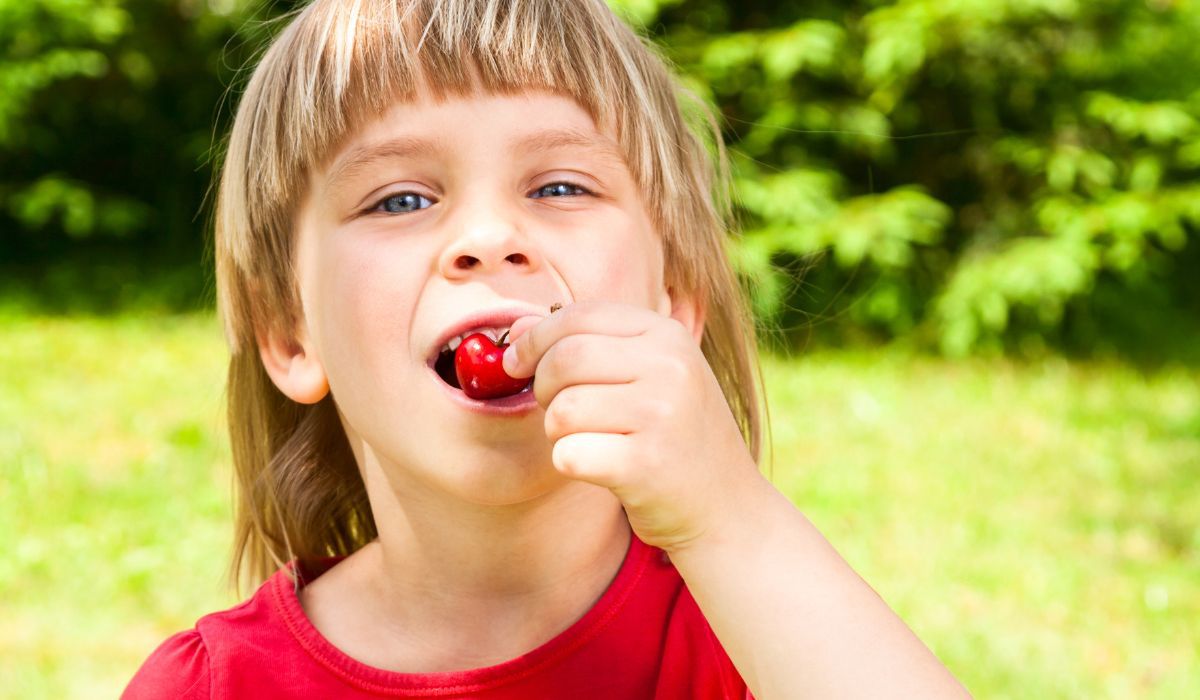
x=740 y=517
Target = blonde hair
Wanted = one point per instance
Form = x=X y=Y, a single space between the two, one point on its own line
x=335 y=65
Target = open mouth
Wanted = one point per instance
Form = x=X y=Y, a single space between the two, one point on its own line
x=443 y=363
x=444 y=366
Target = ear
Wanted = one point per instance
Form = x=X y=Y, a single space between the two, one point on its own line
x=688 y=309
x=293 y=365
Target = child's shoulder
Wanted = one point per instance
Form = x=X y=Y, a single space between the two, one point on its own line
x=178 y=668
x=250 y=631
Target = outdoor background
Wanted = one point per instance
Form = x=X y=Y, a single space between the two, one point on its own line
x=971 y=232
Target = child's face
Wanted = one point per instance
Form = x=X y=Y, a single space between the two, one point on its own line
x=437 y=211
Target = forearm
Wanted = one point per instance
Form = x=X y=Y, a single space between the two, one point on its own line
x=793 y=616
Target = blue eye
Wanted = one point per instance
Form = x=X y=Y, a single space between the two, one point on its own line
x=403 y=203
x=558 y=189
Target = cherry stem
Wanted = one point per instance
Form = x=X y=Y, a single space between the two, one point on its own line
x=501 y=341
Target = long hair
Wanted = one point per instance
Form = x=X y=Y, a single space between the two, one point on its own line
x=336 y=64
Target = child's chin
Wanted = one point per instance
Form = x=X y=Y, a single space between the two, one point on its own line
x=507 y=480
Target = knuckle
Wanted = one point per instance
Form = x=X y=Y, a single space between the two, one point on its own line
x=541 y=394
x=564 y=457
x=675 y=368
x=553 y=428
x=560 y=414
x=661 y=410
x=567 y=352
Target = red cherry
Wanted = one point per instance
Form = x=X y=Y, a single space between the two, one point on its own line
x=477 y=362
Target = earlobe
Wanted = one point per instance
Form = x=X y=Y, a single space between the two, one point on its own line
x=688 y=309
x=293 y=366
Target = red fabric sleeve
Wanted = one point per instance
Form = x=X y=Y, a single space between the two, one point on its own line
x=178 y=668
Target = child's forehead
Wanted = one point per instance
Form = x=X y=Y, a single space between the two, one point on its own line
x=427 y=127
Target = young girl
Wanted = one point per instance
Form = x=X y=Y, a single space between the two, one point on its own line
x=402 y=174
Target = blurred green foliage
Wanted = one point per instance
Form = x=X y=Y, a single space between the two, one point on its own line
x=107 y=112
x=977 y=172
x=968 y=174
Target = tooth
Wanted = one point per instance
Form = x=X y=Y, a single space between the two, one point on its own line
x=454 y=343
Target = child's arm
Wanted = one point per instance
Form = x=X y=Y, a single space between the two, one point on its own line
x=793 y=616
x=632 y=405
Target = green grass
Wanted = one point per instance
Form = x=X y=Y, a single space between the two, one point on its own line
x=1038 y=525
x=115 y=482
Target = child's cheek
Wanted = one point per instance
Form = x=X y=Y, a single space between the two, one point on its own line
x=628 y=269
x=365 y=316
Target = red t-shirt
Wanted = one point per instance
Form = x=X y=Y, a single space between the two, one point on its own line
x=644 y=638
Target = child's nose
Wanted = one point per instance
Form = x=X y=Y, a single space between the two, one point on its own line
x=489 y=247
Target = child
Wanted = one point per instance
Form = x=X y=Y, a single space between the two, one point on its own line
x=400 y=174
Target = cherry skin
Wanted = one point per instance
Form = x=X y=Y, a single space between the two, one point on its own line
x=477 y=362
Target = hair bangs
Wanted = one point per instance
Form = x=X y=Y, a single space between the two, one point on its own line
x=363 y=57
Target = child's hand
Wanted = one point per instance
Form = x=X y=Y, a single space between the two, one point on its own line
x=631 y=404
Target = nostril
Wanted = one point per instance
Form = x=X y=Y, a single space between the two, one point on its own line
x=517 y=259
x=465 y=262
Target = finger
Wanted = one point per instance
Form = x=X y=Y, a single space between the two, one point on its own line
x=524 y=323
x=592 y=408
x=586 y=358
x=593 y=457
x=521 y=325
x=601 y=317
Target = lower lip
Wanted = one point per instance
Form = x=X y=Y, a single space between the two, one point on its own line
x=516 y=405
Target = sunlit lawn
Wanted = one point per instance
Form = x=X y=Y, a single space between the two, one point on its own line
x=1038 y=525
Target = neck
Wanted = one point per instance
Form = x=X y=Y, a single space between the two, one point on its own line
x=463 y=552
x=492 y=581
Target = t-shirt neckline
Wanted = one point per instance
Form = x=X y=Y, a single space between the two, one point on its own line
x=372 y=679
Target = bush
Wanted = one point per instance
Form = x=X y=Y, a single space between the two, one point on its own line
x=971 y=171
x=971 y=174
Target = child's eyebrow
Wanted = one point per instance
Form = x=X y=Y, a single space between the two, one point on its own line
x=554 y=139
x=361 y=157
x=411 y=147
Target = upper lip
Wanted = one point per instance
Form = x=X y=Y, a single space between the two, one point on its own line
x=487 y=318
